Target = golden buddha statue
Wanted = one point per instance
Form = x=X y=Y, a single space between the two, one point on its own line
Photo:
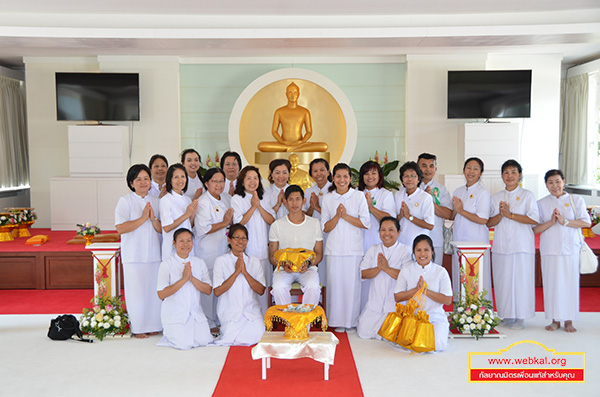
x=292 y=117
x=297 y=175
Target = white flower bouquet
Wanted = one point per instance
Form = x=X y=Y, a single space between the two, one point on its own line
x=474 y=315
x=107 y=317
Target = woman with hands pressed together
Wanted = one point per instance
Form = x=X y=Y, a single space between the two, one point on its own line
x=279 y=177
x=191 y=161
x=413 y=205
x=345 y=215
x=231 y=164
x=471 y=211
x=513 y=214
x=239 y=280
x=561 y=218
x=182 y=279
x=176 y=210
x=252 y=210
x=381 y=265
x=136 y=221
x=158 y=165
x=213 y=217
x=439 y=291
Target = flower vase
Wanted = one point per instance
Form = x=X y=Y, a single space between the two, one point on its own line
x=22 y=230
x=5 y=233
x=89 y=238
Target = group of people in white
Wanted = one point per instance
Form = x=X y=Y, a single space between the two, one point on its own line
x=198 y=252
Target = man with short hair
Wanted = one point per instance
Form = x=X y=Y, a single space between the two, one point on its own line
x=296 y=230
x=442 y=202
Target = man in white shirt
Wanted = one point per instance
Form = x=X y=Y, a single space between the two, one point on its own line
x=296 y=230
x=442 y=202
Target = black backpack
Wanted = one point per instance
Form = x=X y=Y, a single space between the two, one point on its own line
x=63 y=327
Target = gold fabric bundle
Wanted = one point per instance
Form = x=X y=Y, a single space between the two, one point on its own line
x=392 y=323
x=296 y=324
x=407 y=332
x=295 y=257
x=424 y=339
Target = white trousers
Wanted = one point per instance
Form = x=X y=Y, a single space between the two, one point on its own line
x=309 y=281
x=560 y=275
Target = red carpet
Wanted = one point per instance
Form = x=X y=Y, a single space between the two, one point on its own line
x=241 y=376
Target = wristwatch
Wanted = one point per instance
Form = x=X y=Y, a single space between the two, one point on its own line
x=411 y=218
x=566 y=222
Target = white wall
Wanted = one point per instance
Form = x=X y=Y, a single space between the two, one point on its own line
x=157 y=132
x=428 y=129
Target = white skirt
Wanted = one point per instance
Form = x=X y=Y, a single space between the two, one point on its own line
x=193 y=333
x=514 y=285
x=343 y=290
x=143 y=304
x=243 y=332
x=369 y=324
x=560 y=275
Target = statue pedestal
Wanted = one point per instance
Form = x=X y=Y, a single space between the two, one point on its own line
x=264 y=158
x=471 y=274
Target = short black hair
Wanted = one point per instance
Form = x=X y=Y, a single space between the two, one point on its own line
x=477 y=160
x=239 y=187
x=234 y=228
x=291 y=189
x=316 y=161
x=512 y=163
x=133 y=173
x=231 y=154
x=552 y=173
x=424 y=237
x=366 y=167
x=188 y=151
x=390 y=219
x=427 y=156
x=276 y=163
x=411 y=165
x=156 y=157
x=210 y=173
x=170 y=172
x=180 y=231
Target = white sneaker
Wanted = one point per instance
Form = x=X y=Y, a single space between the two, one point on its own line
x=518 y=324
x=340 y=329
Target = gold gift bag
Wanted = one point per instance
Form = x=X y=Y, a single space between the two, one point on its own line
x=391 y=325
x=409 y=323
x=424 y=340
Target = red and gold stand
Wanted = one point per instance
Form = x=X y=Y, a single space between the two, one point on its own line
x=470 y=255
x=107 y=267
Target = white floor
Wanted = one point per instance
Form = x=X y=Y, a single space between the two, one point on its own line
x=32 y=364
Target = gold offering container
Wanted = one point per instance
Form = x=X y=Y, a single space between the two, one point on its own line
x=296 y=324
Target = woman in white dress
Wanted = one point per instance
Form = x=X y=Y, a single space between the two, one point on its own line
x=439 y=290
x=513 y=214
x=561 y=218
x=251 y=208
x=279 y=177
x=182 y=279
x=176 y=209
x=231 y=164
x=191 y=161
x=136 y=221
x=471 y=211
x=413 y=205
x=239 y=280
x=345 y=215
x=381 y=266
x=158 y=165
x=213 y=217
x=319 y=172
x=381 y=204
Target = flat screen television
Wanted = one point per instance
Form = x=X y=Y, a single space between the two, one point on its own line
x=97 y=96
x=486 y=94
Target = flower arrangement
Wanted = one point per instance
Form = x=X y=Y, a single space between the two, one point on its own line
x=594 y=215
x=210 y=163
x=23 y=215
x=474 y=315
x=88 y=230
x=386 y=168
x=8 y=219
x=108 y=316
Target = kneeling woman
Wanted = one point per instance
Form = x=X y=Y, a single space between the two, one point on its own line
x=381 y=265
x=181 y=279
x=239 y=280
x=439 y=289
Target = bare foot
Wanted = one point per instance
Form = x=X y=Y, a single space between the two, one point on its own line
x=569 y=326
x=153 y=333
x=140 y=336
x=553 y=326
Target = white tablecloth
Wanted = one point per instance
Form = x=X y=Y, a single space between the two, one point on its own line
x=320 y=346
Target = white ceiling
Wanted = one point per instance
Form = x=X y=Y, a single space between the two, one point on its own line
x=271 y=28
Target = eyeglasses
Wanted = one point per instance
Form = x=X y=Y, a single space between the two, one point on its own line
x=219 y=182
x=240 y=238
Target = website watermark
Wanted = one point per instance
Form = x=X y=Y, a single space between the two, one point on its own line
x=527 y=361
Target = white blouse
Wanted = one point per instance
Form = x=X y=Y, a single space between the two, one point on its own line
x=510 y=236
x=172 y=206
x=345 y=239
x=445 y=200
x=142 y=244
x=178 y=307
x=320 y=193
x=210 y=211
x=476 y=199
x=559 y=239
x=420 y=205
x=271 y=194
x=193 y=185
x=383 y=200
x=258 y=230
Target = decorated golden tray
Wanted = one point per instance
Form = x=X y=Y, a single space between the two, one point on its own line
x=294 y=257
x=296 y=319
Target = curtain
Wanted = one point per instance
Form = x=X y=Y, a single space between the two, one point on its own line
x=14 y=154
x=574 y=137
